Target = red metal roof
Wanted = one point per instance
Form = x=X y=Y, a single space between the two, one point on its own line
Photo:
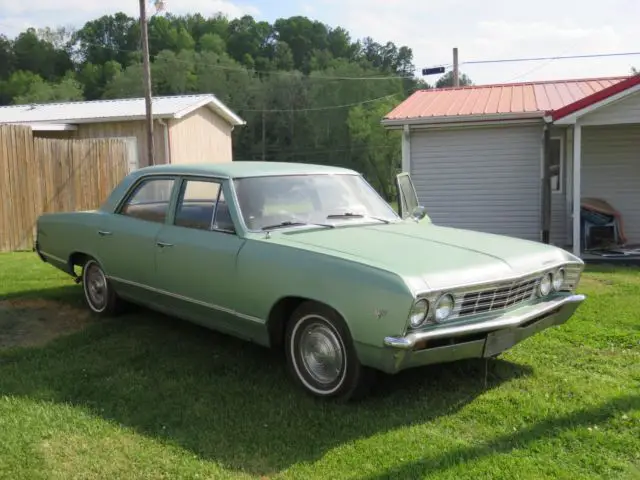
x=509 y=99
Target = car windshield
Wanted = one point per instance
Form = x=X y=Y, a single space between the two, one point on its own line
x=322 y=199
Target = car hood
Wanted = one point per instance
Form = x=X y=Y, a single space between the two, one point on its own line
x=428 y=256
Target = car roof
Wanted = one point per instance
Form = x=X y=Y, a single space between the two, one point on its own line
x=236 y=169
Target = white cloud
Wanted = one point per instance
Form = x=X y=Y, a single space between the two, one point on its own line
x=15 y=16
x=497 y=29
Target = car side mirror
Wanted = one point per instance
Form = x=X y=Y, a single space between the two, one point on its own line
x=418 y=213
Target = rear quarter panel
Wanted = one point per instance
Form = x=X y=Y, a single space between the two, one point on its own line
x=59 y=235
x=374 y=303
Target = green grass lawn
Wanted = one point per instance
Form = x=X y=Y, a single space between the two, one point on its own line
x=145 y=396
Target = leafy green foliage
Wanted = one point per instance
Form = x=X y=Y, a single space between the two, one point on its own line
x=381 y=160
x=295 y=81
x=67 y=89
x=447 y=80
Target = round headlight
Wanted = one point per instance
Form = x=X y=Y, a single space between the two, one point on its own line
x=444 y=307
x=545 y=285
x=558 y=279
x=418 y=313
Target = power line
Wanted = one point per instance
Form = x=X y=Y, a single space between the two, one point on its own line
x=330 y=107
x=536 y=68
x=274 y=149
x=535 y=59
x=559 y=57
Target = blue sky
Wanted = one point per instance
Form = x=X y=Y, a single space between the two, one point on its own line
x=481 y=30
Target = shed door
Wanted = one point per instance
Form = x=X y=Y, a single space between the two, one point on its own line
x=483 y=179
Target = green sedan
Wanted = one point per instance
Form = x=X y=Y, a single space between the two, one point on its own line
x=311 y=260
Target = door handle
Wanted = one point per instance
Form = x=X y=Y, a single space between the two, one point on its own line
x=103 y=233
x=164 y=244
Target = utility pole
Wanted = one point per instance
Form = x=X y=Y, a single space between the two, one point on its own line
x=147 y=80
x=264 y=135
x=456 y=72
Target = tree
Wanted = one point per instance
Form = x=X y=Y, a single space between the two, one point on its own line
x=32 y=54
x=58 y=37
x=376 y=149
x=18 y=84
x=94 y=78
x=168 y=34
x=7 y=58
x=125 y=83
x=447 y=80
x=307 y=90
x=108 y=38
x=40 y=91
x=212 y=42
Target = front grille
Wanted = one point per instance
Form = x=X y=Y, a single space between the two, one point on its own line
x=498 y=297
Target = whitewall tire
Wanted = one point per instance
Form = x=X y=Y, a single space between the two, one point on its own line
x=98 y=292
x=320 y=354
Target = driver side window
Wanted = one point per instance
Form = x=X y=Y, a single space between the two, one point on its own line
x=202 y=206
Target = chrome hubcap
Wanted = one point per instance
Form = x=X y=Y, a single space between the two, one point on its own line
x=96 y=285
x=321 y=353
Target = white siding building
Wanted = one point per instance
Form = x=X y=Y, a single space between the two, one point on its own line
x=477 y=155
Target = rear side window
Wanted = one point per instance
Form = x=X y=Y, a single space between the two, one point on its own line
x=150 y=200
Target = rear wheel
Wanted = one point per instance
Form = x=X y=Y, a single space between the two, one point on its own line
x=320 y=354
x=98 y=292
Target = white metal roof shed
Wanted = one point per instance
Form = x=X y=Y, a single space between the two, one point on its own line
x=100 y=111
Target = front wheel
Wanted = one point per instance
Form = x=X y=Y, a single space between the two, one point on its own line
x=98 y=292
x=320 y=354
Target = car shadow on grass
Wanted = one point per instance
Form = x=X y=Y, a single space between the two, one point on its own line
x=584 y=418
x=224 y=399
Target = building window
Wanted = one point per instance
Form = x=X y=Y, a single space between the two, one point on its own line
x=556 y=164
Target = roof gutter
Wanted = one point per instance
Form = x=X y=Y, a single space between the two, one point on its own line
x=49 y=127
x=461 y=119
x=76 y=121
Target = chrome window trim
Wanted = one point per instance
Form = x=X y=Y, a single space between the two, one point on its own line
x=233 y=180
x=180 y=195
x=139 y=181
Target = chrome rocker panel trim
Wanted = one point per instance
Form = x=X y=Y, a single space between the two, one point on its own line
x=567 y=305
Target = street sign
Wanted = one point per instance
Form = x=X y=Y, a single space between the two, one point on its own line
x=432 y=71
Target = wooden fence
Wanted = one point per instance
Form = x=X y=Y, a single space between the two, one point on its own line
x=42 y=175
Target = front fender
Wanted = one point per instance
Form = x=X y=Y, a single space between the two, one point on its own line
x=373 y=302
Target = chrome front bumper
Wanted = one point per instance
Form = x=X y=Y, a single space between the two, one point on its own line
x=561 y=310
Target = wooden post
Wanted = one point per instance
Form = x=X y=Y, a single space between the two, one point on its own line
x=147 y=80
x=546 y=186
x=577 y=167
x=456 y=72
x=406 y=149
x=264 y=134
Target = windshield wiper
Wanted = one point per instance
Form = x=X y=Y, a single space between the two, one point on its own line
x=290 y=223
x=355 y=215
